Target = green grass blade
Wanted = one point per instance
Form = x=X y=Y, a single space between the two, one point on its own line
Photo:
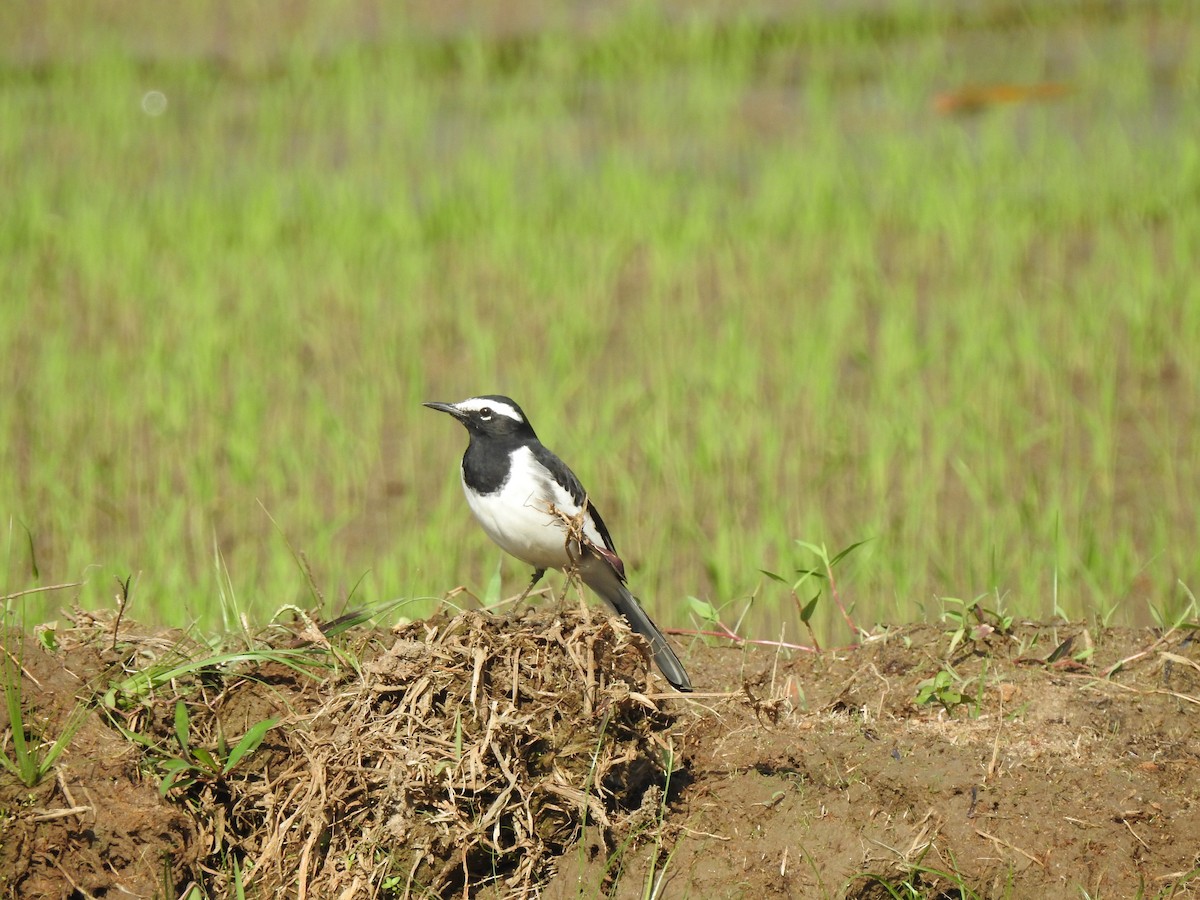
x=182 y=725
x=249 y=742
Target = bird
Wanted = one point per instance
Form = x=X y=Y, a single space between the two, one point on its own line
x=534 y=507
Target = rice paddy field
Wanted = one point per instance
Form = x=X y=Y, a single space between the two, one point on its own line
x=919 y=275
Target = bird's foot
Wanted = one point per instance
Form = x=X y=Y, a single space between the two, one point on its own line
x=537 y=576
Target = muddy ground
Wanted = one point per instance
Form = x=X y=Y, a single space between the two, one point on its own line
x=529 y=755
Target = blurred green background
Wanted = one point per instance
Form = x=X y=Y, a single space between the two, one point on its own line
x=923 y=274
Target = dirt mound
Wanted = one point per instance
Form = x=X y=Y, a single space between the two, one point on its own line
x=472 y=749
x=516 y=756
x=455 y=752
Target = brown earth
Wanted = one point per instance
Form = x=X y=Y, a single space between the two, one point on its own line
x=522 y=755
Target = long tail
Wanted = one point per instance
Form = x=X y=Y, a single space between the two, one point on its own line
x=605 y=582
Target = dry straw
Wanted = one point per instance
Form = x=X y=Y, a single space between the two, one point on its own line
x=474 y=749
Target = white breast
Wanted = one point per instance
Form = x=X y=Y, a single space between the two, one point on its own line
x=518 y=517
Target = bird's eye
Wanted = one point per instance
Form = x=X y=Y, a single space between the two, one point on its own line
x=486 y=414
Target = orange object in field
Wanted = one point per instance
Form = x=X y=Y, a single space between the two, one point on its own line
x=974 y=98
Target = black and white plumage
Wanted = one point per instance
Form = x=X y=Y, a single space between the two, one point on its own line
x=530 y=503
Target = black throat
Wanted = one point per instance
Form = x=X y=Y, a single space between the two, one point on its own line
x=487 y=464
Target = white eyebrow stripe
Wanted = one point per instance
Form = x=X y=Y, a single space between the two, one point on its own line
x=475 y=404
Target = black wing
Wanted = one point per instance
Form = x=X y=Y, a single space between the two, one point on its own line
x=564 y=476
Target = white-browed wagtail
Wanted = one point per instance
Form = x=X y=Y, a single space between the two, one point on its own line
x=533 y=507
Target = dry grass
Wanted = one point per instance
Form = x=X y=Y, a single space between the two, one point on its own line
x=472 y=750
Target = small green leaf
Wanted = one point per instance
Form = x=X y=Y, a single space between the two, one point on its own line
x=174 y=781
x=136 y=736
x=239 y=889
x=174 y=765
x=814 y=549
x=33 y=564
x=773 y=576
x=249 y=743
x=175 y=770
x=1061 y=650
x=809 y=608
x=182 y=724
x=954 y=641
x=48 y=638
x=701 y=608
x=844 y=553
x=205 y=759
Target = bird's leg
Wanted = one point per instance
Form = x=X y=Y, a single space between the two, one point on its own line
x=537 y=576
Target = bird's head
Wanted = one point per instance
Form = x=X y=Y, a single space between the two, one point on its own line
x=488 y=416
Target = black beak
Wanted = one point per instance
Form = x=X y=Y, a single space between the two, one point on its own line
x=446 y=408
